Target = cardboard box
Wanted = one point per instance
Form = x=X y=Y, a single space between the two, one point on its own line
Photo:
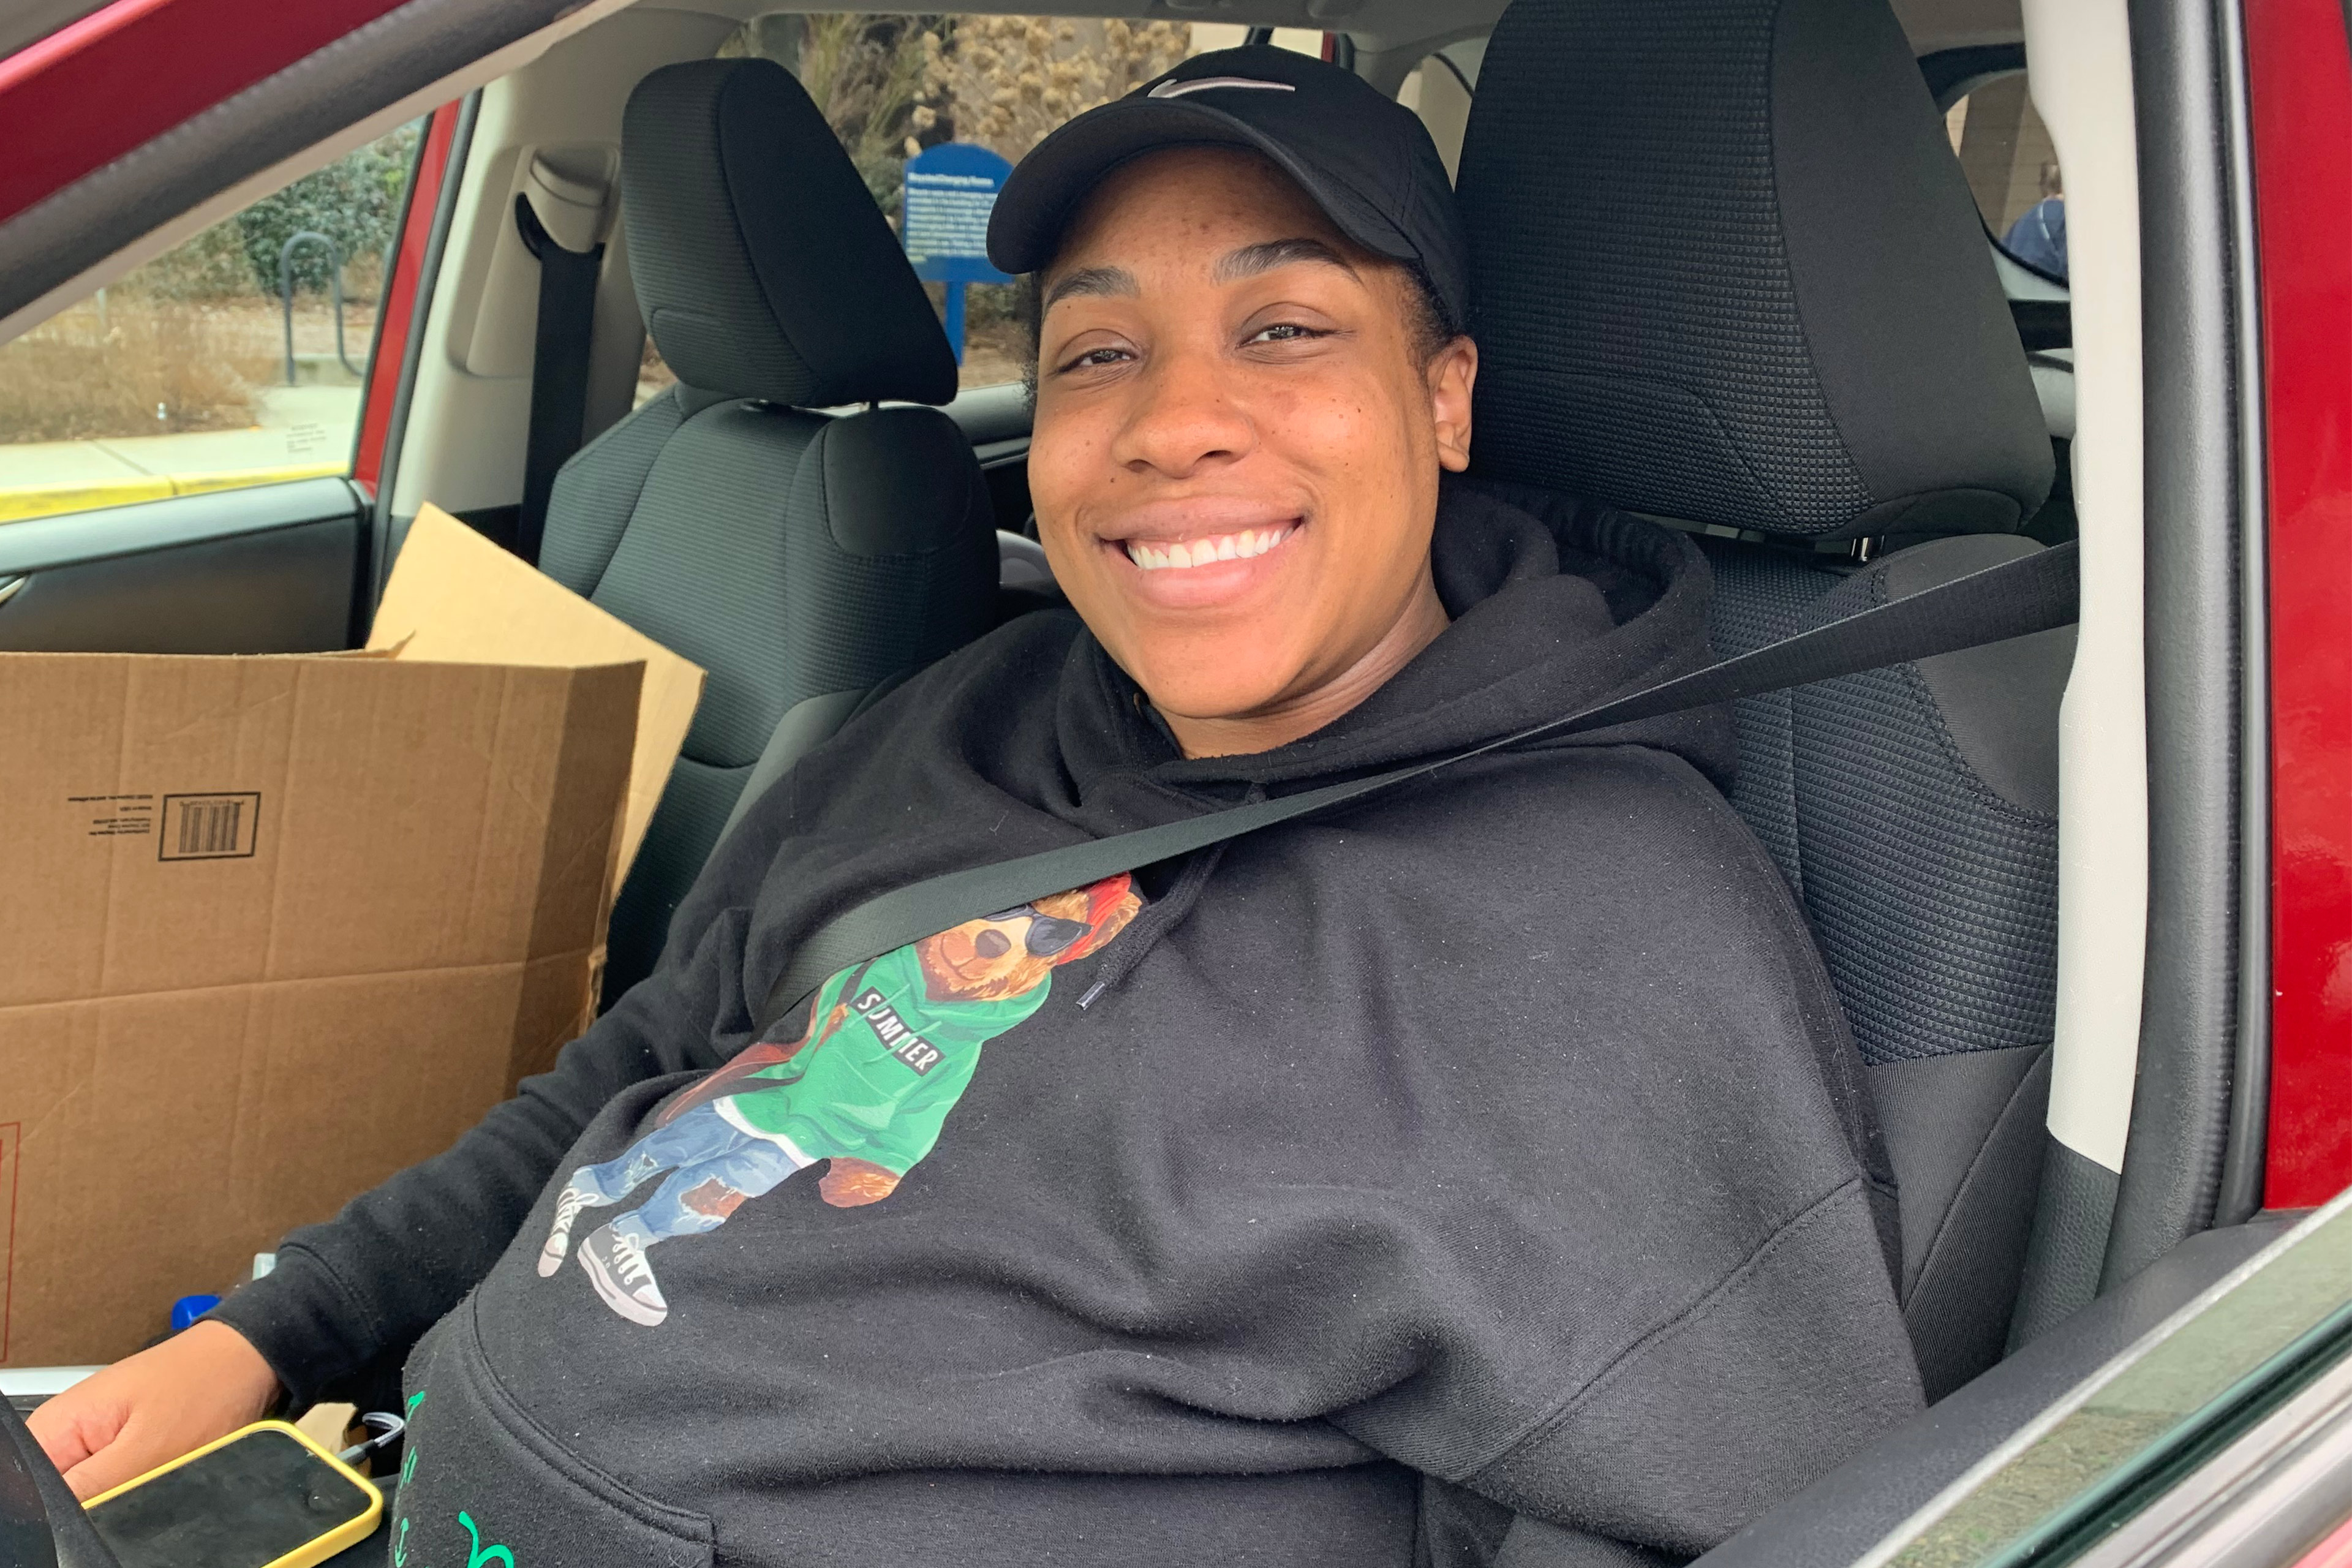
x=275 y=928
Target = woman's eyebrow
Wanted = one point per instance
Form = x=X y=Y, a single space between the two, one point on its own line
x=1267 y=255
x=1091 y=281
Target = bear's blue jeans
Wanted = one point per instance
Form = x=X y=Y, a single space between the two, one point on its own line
x=707 y=1155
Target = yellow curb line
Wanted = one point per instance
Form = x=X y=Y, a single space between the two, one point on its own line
x=46 y=501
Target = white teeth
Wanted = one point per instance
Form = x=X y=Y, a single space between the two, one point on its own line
x=1239 y=546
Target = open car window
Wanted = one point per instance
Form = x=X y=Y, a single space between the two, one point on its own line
x=2013 y=173
x=236 y=358
x=1439 y=90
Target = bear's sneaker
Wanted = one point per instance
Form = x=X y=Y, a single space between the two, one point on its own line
x=559 y=1236
x=616 y=1265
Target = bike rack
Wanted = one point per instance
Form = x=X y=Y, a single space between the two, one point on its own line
x=286 y=293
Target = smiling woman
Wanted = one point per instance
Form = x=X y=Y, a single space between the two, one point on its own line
x=1238 y=436
x=1229 y=1205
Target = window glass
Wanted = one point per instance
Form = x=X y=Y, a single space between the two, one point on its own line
x=2110 y=1449
x=2012 y=170
x=1439 y=90
x=179 y=375
x=893 y=87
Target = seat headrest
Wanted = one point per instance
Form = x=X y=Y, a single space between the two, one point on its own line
x=1727 y=269
x=762 y=265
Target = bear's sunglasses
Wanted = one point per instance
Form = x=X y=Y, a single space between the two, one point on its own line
x=1046 y=936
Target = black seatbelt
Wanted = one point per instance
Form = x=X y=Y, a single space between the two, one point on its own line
x=559 y=368
x=2034 y=593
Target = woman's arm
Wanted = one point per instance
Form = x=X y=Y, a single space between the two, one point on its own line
x=366 y=1284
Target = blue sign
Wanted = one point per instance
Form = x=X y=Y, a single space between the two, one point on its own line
x=951 y=189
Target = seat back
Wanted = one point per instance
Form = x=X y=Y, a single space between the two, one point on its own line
x=1915 y=813
x=1728 y=274
x=799 y=557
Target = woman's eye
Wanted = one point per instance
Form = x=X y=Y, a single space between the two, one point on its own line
x=1095 y=358
x=1284 y=332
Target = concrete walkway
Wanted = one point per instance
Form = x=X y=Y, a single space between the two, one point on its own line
x=305 y=431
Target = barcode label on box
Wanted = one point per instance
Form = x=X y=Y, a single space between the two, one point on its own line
x=209 y=827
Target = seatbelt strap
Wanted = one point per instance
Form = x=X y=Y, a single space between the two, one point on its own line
x=559 y=368
x=2034 y=593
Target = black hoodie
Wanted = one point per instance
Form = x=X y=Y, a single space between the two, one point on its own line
x=1492 y=1144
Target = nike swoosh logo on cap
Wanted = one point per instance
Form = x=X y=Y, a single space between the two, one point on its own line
x=1202 y=83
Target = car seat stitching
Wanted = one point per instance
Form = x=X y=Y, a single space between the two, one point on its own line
x=735 y=221
x=669 y=394
x=1924 y=696
x=1779 y=229
x=1960 y=1195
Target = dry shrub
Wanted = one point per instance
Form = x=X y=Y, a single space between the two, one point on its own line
x=209 y=265
x=992 y=357
x=892 y=85
x=1006 y=82
x=866 y=74
x=85 y=373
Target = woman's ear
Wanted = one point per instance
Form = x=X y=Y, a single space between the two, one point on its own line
x=1453 y=372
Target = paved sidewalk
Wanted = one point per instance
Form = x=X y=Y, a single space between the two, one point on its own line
x=305 y=432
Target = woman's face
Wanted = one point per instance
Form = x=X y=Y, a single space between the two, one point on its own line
x=1237 y=444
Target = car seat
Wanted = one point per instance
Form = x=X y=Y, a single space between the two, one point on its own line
x=799 y=557
x=1727 y=274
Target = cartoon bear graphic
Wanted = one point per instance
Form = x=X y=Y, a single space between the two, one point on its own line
x=866 y=1090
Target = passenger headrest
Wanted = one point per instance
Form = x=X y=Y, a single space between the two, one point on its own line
x=1726 y=268
x=763 y=267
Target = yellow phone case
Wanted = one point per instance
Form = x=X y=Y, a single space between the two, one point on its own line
x=312 y=1552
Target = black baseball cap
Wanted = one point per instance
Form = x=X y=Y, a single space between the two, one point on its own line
x=1366 y=160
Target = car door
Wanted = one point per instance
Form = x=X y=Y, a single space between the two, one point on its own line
x=2222 y=1437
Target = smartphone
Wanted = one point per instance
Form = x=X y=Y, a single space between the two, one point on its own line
x=265 y=1496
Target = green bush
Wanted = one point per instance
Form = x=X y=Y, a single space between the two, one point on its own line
x=354 y=201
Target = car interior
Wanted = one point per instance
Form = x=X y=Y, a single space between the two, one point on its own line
x=1732 y=273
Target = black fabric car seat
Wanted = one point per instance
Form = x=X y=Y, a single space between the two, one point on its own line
x=1727 y=274
x=801 y=558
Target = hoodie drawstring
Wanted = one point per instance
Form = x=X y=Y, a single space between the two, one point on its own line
x=1159 y=918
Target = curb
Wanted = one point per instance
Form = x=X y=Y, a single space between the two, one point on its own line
x=26 y=501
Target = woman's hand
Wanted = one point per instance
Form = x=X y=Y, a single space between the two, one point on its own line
x=122 y=1422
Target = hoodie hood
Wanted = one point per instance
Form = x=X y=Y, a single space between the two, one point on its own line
x=1033 y=738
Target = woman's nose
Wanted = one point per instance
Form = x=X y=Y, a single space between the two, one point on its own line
x=1187 y=416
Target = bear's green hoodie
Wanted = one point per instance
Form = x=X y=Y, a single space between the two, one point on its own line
x=879 y=1082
